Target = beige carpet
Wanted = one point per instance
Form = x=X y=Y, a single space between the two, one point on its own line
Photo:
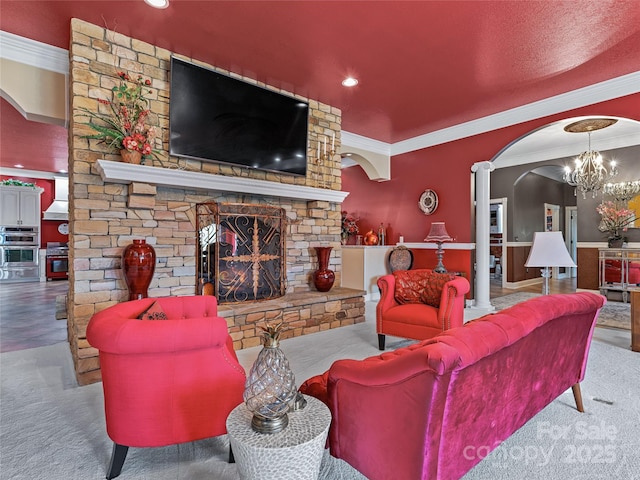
x=612 y=315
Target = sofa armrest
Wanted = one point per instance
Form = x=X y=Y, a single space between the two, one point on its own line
x=451 y=310
x=387 y=286
x=316 y=387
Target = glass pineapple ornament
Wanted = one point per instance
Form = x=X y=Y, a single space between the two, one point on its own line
x=270 y=388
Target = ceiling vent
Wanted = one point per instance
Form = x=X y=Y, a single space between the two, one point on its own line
x=59 y=209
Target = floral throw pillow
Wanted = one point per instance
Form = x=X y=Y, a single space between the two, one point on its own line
x=409 y=285
x=154 y=312
x=433 y=289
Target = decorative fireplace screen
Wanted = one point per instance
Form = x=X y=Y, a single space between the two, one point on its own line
x=240 y=251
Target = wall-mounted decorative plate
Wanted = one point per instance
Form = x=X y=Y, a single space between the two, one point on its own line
x=63 y=228
x=428 y=201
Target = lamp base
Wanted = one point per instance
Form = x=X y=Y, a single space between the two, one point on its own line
x=546 y=275
x=440 y=266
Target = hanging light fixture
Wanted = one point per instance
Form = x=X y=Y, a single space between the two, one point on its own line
x=623 y=191
x=589 y=174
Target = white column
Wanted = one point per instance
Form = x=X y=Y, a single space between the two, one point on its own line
x=482 y=274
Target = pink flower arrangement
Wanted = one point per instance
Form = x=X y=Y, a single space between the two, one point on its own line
x=124 y=126
x=615 y=220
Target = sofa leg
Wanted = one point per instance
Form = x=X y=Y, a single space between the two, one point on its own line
x=577 y=395
x=381 y=339
x=118 y=455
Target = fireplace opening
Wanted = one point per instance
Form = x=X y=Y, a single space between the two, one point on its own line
x=240 y=254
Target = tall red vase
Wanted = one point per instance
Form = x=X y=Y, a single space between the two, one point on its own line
x=323 y=278
x=138 y=265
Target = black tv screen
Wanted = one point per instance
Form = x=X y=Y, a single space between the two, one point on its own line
x=217 y=118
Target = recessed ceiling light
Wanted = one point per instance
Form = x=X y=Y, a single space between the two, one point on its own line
x=157 y=3
x=17 y=165
x=62 y=171
x=350 y=82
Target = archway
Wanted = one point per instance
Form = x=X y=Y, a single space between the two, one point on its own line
x=545 y=143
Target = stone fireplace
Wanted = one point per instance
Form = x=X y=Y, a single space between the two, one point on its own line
x=111 y=203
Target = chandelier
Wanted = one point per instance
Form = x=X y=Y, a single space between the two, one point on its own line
x=622 y=191
x=589 y=174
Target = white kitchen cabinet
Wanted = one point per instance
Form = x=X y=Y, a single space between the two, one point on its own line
x=19 y=206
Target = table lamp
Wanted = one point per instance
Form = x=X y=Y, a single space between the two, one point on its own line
x=438 y=234
x=548 y=250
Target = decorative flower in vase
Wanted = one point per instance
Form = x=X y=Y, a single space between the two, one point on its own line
x=124 y=126
x=615 y=220
x=349 y=226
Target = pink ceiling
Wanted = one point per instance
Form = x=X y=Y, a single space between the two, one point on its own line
x=422 y=65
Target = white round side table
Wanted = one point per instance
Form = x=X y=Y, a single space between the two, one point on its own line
x=293 y=454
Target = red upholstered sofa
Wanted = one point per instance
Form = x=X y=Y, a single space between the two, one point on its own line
x=613 y=272
x=419 y=304
x=165 y=381
x=410 y=414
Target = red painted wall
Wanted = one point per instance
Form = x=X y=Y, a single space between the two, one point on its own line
x=446 y=169
x=48 y=228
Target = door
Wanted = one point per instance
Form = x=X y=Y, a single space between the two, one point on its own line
x=552 y=224
x=571 y=236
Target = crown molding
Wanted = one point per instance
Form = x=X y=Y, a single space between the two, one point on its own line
x=36 y=54
x=369 y=144
x=20 y=172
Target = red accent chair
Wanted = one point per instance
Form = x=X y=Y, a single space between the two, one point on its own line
x=165 y=381
x=419 y=304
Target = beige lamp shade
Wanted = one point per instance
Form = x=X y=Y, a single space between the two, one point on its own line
x=549 y=250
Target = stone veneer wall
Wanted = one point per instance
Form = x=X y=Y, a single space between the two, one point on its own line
x=105 y=217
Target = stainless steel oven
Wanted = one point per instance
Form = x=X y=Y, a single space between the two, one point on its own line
x=19 y=262
x=13 y=236
x=19 y=253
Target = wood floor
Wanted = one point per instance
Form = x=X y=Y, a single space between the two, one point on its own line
x=567 y=285
x=28 y=315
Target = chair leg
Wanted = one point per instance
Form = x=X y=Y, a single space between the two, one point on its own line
x=232 y=459
x=577 y=395
x=381 y=339
x=118 y=456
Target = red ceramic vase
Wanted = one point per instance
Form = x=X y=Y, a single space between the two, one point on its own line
x=138 y=265
x=323 y=278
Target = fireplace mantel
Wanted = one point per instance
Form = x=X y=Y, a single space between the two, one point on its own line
x=119 y=172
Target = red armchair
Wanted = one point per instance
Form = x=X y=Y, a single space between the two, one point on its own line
x=165 y=381
x=419 y=304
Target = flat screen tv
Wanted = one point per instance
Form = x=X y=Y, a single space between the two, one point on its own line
x=217 y=118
